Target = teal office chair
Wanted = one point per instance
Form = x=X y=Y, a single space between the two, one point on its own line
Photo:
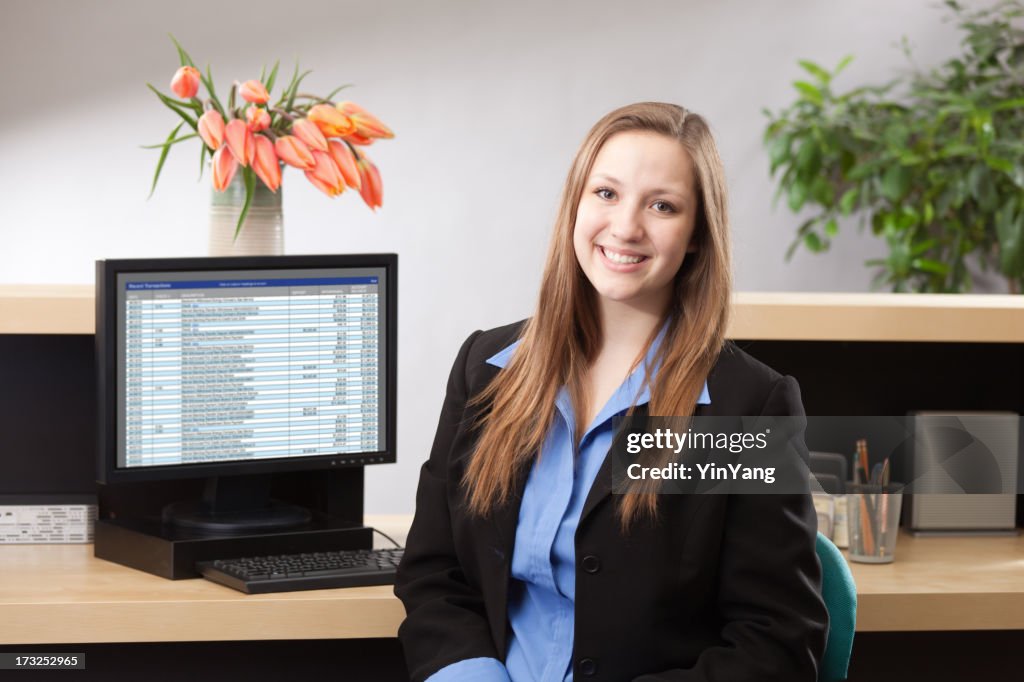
x=840 y=595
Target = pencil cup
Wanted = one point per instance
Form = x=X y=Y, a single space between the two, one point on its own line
x=873 y=515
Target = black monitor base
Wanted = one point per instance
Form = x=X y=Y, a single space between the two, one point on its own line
x=172 y=552
x=195 y=516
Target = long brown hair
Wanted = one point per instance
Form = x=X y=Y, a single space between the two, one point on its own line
x=558 y=344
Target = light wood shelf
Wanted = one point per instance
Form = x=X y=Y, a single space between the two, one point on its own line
x=997 y=318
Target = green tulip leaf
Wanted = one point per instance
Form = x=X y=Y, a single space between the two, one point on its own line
x=272 y=78
x=163 y=157
x=182 y=55
x=175 y=106
x=336 y=90
x=170 y=142
x=250 y=187
x=208 y=82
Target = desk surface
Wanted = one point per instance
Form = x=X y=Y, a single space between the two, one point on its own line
x=62 y=594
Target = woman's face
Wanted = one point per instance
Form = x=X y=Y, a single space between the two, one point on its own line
x=635 y=219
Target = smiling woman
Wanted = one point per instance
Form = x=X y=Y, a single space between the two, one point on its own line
x=637 y=224
x=521 y=564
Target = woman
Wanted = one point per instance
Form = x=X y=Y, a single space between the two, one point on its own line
x=520 y=563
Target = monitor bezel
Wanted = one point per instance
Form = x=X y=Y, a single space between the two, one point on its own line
x=106 y=365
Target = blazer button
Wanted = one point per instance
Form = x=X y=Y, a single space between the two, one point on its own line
x=588 y=666
x=591 y=564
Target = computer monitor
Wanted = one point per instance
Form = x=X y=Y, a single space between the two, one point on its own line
x=234 y=369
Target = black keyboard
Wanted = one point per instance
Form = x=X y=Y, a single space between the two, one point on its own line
x=307 y=571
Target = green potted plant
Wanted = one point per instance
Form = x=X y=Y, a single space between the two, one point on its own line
x=933 y=161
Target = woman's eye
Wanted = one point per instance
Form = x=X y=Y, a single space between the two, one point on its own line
x=605 y=193
x=663 y=207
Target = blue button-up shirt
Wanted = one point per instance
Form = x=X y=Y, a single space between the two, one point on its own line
x=542 y=592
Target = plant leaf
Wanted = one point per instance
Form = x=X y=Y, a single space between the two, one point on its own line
x=208 y=82
x=847 y=201
x=809 y=92
x=797 y=195
x=810 y=67
x=175 y=106
x=269 y=84
x=185 y=59
x=202 y=161
x=250 y=186
x=895 y=182
x=927 y=265
x=336 y=90
x=1010 y=232
x=174 y=141
x=778 y=152
x=843 y=63
x=163 y=157
x=813 y=242
x=295 y=90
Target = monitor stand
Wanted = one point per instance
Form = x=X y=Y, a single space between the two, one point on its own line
x=235 y=505
x=141 y=526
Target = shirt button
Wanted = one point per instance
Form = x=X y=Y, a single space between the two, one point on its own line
x=588 y=666
x=591 y=564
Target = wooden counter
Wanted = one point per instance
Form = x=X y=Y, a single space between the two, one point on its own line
x=939 y=583
x=70 y=309
x=61 y=593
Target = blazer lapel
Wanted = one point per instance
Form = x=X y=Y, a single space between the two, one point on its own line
x=602 y=488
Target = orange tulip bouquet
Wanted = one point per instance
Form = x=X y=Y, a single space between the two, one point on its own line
x=314 y=134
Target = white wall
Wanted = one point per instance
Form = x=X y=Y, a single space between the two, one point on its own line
x=488 y=101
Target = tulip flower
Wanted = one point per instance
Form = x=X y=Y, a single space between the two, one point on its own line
x=330 y=121
x=356 y=138
x=258 y=119
x=224 y=167
x=346 y=163
x=211 y=129
x=265 y=165
x=239 y=139
x=367 y=125
x=325 y=175
x=185 y=83
x=294 y=152
x=307 y=131
x=372 y=190
x=254 y=92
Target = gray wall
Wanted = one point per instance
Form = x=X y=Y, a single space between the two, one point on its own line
x=488 y=101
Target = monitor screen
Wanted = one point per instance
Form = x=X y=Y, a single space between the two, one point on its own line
x=236 y=365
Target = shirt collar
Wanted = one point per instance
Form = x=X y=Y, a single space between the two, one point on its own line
x=634 y=383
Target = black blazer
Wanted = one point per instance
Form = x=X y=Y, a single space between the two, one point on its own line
x=722 y=587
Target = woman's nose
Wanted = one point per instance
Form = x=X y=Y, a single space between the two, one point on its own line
x=627 y=226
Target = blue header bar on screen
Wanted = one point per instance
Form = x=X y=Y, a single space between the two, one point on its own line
x=250 y=283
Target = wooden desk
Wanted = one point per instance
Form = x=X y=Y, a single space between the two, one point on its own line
x=956 y=583
x=61 y=593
